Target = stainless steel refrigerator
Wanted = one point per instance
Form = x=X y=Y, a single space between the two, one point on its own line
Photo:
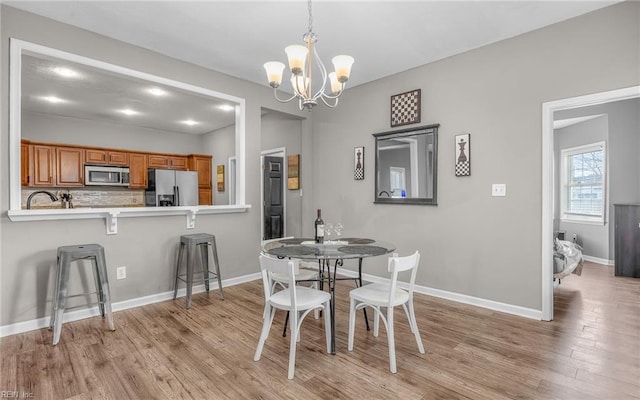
x=168 y=188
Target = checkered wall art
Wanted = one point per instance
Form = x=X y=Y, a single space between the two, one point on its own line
x=405 y=108
x=358 y=164
x=463 y=155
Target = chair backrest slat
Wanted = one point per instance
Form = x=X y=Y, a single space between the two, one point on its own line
x=399 y=264
x=287 y=267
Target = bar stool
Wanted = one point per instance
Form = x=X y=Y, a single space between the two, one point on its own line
x=67 y=255
x=195 y=242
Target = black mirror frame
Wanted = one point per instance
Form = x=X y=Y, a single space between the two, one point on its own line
x=432 y=201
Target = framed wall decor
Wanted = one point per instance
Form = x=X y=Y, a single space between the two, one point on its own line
x=293 y=172
x=220 y=176
x=405 y=108
x=358 y=164
x=463 y=154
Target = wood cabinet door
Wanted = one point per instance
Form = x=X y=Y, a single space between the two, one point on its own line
x=95 y=156
x=24 y=164
x=117 y=158
x=202 y=164
x=205 y=197
x=41 y=165
x=178 y=163
x=137 y=171
x=157 y=161
x=69 y=166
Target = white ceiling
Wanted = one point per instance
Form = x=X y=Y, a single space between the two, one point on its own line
x=237 y=37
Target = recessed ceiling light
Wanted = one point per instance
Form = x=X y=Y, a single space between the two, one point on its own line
x=66 y=72
x=226 y=107
x=53 y=99
x=156 y=91
x=128 y=111
x=190 y=122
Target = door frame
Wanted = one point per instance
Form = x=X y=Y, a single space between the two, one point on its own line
x=277 y=152
x=548 y=108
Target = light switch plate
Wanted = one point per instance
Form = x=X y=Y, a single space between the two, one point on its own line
x=121 y=272
x=499 y=189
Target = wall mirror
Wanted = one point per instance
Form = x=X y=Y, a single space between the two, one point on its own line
x=407 y=165
x=59 y=97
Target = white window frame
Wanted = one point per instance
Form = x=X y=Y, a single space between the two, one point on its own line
x=566 y=216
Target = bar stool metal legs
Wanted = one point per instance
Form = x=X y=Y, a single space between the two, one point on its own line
x=197 y=244
x=66 y=255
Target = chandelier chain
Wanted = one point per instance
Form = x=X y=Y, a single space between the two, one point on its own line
x=310 y=17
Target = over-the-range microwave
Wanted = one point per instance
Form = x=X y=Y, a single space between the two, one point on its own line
x=97 y=175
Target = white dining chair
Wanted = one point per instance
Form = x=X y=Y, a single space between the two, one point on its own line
x=297 y=300
x=378 y=296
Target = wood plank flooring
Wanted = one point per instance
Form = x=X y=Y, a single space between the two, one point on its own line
x=162 y=351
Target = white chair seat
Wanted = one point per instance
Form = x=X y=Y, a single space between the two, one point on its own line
x=378 y=294
x=306 y=298
x=302 y=275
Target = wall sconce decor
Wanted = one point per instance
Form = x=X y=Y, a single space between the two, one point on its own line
x=220 y=173
x=293 y=172
x=463 y=155
x=358 y=164
x=405 y=108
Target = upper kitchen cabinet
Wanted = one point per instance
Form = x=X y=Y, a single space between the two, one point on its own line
x=106 y=157
x=24 y=164
x=168 y=162
x=137 y=171
x=69 y=166
x=41 y=165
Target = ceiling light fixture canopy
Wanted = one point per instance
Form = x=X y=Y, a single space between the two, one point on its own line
x=301 y=60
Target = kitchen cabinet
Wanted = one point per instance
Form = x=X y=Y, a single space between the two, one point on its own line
x=203 y=165
x=24 y=164
x=167 y=161
x=205 y=197
x=137 y=171
x=627 y=239
x=69 y=166
x=106 y=157
x=41 y=165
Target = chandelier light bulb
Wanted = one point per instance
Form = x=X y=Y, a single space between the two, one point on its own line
x=274 y=73
x=342 y=64
x=297 y=56
x=336 y=86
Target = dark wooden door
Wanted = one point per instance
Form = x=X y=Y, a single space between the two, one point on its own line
x=273 y=197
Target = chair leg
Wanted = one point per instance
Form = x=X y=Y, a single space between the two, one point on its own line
x=214 y=251
x=352 y=323
x=60 y=300
x=178 y=262
x=104 y=289
x=293 y=342
x=316 y=311
x=414 y=324
x=327 y=326
x=204 y=259
x=376 y=322
x=392 y=342
x=266 y=327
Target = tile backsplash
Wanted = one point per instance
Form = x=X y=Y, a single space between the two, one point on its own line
x=85 y=198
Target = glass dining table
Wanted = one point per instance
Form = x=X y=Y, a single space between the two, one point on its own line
x=330 y=255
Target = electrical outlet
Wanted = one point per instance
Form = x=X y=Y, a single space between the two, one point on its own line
x=121 y=272
x=498 y=189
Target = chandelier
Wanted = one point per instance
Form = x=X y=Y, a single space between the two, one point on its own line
x=301 y=60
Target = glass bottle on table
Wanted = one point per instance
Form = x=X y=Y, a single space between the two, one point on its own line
x=319 y=228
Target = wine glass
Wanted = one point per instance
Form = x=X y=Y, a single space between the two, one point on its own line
x=328 y=229
x=337 y=228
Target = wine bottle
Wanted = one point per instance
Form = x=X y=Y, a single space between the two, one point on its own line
x=319 y=228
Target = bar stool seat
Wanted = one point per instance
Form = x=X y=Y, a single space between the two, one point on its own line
x=66 y=256
x=197 y=243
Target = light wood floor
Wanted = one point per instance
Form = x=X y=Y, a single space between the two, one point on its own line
x=590 y=351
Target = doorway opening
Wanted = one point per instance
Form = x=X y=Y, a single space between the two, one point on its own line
x=548 y=177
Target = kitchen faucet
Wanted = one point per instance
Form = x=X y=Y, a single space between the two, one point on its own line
x=51 y=195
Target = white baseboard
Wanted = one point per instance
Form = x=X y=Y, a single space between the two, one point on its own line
x=457 y=297
x=40 y=323
x=70 y=316
x=597 y=260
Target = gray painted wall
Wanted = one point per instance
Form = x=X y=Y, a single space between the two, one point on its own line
x=623 y=125
x=594 y=239
x=472 y=243
x=147 y=246
x=221 y=145
x=56 y=129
